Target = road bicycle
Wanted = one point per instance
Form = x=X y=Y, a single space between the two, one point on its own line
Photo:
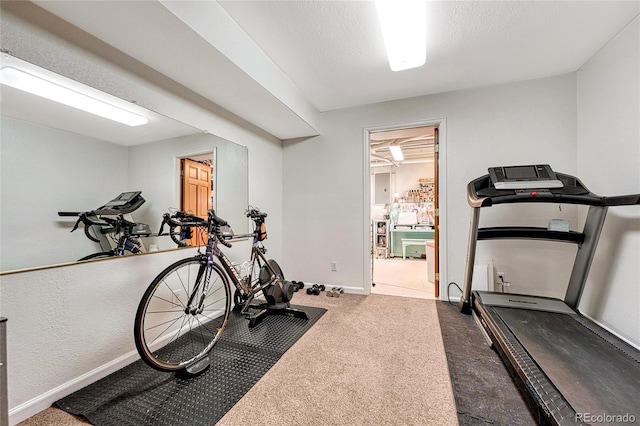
x=186 y=308
x=108 y=221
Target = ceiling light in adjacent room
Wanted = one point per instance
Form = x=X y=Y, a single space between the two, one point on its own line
x=396 y=152
x=83 y=98
x=404 y=28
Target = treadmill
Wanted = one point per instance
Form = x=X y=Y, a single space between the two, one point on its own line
x=568 y=369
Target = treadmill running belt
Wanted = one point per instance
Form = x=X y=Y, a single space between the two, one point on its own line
x=592 y=375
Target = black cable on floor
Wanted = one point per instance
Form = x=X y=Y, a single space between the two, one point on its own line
x=448 y=292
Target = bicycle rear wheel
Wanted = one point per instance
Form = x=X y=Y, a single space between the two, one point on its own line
x=182 y=314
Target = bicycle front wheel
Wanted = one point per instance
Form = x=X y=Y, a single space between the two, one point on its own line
x=182 y=314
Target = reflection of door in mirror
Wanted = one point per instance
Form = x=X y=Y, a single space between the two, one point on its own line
x=196 y=193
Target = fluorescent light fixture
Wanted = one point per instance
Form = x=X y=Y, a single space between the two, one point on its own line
x=404 y=28
x=396 y=152
x=44 y=87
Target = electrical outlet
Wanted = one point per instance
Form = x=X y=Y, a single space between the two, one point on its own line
x=334 y=266
x=501 y=281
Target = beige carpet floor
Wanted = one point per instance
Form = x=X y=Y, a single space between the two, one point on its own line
x=370 y=360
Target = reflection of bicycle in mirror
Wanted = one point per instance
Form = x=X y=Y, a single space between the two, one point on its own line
x=186 y=308
x=108 y=227
x=182 y=230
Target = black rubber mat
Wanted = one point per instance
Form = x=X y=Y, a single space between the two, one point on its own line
x=482 y=388
x=139 y=395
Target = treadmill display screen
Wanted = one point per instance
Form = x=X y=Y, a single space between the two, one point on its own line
x=520 y=172
x=536 y=176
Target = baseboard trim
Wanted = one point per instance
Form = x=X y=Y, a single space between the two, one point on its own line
x=347 y=289
x=44 y=401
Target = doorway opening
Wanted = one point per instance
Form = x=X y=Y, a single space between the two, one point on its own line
x=403 y=170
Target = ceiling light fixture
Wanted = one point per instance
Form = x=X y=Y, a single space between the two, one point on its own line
x=404 y=28
x=396 y=152
x=72 y=96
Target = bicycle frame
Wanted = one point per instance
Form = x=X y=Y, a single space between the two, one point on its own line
x=248 y=286
x=264 y=275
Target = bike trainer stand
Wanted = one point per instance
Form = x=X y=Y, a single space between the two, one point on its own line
x=282 y=308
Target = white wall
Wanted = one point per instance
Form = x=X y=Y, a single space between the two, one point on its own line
x=609 y=164
x=65 y=322
x=521 y=123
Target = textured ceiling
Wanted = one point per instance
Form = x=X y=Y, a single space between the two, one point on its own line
x=279 y=64
x=334 y=52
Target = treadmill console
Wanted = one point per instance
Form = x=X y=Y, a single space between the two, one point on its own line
x=123 y=199
x=123 y=203
x=524 y=177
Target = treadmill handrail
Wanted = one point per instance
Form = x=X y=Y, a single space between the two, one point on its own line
x=481 y=193
x=622 y=200
x=529 y=232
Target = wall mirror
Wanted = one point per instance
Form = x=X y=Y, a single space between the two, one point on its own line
x=57 y=158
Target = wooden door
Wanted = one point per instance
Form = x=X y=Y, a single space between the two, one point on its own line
x=196 y=194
